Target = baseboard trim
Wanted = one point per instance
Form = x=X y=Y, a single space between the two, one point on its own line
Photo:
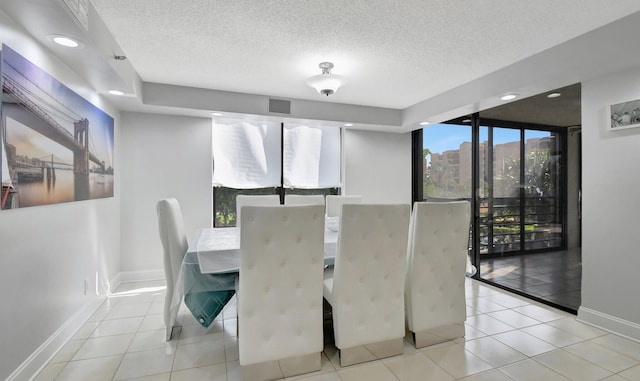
x=621 y=327
x=135 y=276
x=41 y=357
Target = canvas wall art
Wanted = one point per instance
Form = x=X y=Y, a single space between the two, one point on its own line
x=56 y=146
x=625 y=115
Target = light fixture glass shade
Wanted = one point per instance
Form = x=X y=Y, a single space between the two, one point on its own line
x=326 y=84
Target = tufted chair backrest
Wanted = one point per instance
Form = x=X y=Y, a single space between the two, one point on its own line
x=334 y=203
x=436 y=264
x=280 y=289
x=253 y=200
x=299 y=199
x=368 y=278
x=174 y=244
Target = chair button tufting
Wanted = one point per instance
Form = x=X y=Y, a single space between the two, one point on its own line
x=250 y=218
x=299 y=240
x=267 y=241
x=283 y=263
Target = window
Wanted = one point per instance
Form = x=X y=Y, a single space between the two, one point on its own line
x=519 y=187
x=259 y=159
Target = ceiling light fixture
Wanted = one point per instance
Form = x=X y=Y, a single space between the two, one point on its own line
x=326 y=83
x=348 y=124
x=216 y=114
x=116 y=92
x=66 y=41
x=553 y=95
x=425 y=123
x=508 y=97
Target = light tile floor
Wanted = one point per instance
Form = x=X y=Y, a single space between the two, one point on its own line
x=508 y=338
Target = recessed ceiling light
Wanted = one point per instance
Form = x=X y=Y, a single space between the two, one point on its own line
x=66 y=41
x=348 y=124
x=116 y=92
x=216 y=114
x=425 y=123
x=553 y=95
x=508 y=97
x=466 y=121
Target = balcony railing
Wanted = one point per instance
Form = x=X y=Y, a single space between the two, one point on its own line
x=501 y=226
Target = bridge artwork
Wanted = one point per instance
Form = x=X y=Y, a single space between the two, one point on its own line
x=56 y=146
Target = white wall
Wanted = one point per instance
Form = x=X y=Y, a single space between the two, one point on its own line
x=170 y=156
x=47 y=252
x=611 y=180
x=378 y=166
x=163 y=156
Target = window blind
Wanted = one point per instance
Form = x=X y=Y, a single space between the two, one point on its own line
x=246 y=155
x=311 y=157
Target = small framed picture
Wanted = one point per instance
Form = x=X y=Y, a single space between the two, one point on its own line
x=625 y=115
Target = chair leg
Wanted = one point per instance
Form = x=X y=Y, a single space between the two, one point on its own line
x=172 y=332
x=438 y=335
x=277 y=369
x=370 y=352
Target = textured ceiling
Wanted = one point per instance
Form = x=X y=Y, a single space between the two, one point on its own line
x=393 y=53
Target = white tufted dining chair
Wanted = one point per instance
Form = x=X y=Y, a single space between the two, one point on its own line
x=366 y=287
x=174 y=245
x=253 y=200
x=280 y=290
x=334 y=203
x=299 y=199
x=436 y=271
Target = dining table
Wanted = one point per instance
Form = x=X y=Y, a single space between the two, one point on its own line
x=209 y=272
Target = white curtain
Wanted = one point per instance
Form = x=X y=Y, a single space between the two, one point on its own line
x=311 y=157
x=246 y=155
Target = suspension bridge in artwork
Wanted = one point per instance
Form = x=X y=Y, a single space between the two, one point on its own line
x=52 y=114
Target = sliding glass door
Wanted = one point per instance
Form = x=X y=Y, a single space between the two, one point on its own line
x=512 y=174
x=499 y=191
x=543 y=190
x=520 y=190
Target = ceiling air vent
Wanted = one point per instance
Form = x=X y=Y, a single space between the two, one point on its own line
x=279 y=106
x=79 y=10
